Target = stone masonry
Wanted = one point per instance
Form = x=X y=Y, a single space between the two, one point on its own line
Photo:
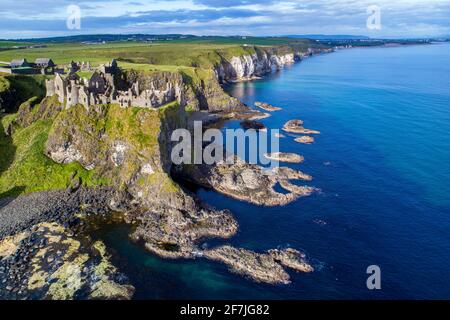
x=101 y=89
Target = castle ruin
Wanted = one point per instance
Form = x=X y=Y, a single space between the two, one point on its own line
x=101 y=88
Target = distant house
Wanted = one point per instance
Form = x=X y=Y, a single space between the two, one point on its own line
x=22 y=63
x=44 y=63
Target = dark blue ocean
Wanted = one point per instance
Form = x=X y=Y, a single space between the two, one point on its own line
x=382 y=162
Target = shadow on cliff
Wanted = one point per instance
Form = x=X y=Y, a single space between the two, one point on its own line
x=8 y=196
x=7 y=150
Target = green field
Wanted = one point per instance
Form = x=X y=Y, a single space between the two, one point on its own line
x=7 y=44
x=198 y=52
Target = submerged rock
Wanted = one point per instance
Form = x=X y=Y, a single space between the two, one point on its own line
x=255 y=125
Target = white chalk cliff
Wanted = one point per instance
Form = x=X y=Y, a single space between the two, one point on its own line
x=255 y=65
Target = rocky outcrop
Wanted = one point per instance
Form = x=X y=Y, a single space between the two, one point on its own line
x=266 y=106
x=285 y=157
x=292 y=259
x=173 y=233
x=261 y=267
x=257 y=266
x=247 y=182
x=296 y=126
x=305 y=139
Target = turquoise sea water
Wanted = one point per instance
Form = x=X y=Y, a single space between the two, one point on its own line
x=382 y=163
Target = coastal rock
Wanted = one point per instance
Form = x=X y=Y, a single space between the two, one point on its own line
x=302 y=191
x=266 y=106
x=174 y=233
x=54 y=265
x=246 y=114
x=285 y=157
x=292 y=259
x=296 y=126
x=305 y=139
x=19 y=214
x=10 y=245
x=246 y=182
x=257 y=266
x=260 y=116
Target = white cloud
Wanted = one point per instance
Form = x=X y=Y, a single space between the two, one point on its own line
x=400 y=18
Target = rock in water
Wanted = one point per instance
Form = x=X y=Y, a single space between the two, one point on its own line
x=244 y=181
x=284 y=157
x=257 y=266
x=292 y=259
x=296 y=126
x=305 y=139
x=266 y=106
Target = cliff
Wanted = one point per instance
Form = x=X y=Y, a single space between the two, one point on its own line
x=256 y=63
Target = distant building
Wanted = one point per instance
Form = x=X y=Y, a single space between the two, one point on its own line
x=21 y=63
x=46 y=65
x=41 y=65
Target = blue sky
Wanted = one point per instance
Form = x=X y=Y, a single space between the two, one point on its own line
x=399 y=18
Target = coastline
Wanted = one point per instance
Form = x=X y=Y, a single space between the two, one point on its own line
x=75 y=206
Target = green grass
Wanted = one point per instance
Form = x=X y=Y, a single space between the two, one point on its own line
x=8 y=44
x=24 y=168
x=85 y=74
x=199 y=52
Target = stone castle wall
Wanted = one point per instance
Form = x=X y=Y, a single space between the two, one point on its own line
x=101 y=89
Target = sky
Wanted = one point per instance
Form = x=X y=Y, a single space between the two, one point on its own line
x=398 y=18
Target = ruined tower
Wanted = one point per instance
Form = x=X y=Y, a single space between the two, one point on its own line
x=72 y=94
x=50 y=87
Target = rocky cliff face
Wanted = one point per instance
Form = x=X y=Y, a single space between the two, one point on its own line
x=255 y=65
x=131 y=149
